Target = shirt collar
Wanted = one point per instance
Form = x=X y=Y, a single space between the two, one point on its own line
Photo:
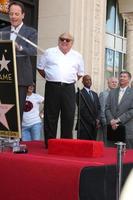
x=123 y=89
x=88 y=89
x=17 y=28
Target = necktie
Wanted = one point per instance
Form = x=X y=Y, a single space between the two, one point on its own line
x=13 y=36
x=121 y=93
x=91 y=95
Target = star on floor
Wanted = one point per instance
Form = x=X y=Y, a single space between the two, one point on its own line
x=4 y=108
x=4 y=63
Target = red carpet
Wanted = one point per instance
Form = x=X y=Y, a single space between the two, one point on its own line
x=40 y=176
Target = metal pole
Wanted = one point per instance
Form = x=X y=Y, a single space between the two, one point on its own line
x=29 y=42
x=121 y=147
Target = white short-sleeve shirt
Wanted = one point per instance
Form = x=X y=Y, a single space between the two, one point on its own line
x=61 y=67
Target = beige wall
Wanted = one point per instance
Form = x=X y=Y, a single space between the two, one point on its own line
x=53 y=19
x=87 y=23
x=125 y=6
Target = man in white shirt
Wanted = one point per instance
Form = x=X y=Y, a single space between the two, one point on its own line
x=62 y=67
x=119 y=107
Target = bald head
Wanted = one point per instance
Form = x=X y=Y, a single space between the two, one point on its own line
x=65 y=42
x=112 y=82
x=87 y=82
x=67 y=35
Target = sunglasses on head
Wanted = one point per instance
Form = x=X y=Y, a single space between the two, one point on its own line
x=65 y=39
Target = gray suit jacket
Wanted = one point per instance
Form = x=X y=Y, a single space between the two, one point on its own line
x=102 y=99
x=24 y=67
x=123 y=110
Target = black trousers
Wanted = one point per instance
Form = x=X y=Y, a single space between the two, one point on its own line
x=86 y=131
x=59 y=99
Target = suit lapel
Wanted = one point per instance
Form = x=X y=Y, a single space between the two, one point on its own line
x=90 y=102
x=84 y=97
x=6 y=33
x=124 y=98
x=116 y=96
x=87 y=96
x=21 y=32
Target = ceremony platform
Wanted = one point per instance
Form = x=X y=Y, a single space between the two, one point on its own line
x=38 y=175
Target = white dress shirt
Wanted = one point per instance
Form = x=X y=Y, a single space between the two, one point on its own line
x=90 y=93
x=121 y=93
x=61 y=67
x=16 y=30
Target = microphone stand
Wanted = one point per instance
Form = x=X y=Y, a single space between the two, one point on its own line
x=78 y=106
x=7 y=34
x=28 y=41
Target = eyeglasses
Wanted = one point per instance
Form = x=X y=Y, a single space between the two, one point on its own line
x=65 y=39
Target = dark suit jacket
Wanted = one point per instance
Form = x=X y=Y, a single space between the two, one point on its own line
x=123 y=110
x=24 y=66
x=88 y=111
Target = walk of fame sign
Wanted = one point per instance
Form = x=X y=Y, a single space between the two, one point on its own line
x=9 y=101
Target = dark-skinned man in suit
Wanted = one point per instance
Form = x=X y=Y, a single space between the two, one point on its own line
x=88 y=111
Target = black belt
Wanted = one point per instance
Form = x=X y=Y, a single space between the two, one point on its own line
x=59 y=83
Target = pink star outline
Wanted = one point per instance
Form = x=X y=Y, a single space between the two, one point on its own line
x=4 y=108
x=4 y=63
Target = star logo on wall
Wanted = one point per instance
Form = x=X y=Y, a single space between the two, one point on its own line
x=4 y=108
x=4 y=63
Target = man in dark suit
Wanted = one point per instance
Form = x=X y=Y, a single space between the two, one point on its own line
x=23 y=49
x=119 y=107
x=88 y=111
